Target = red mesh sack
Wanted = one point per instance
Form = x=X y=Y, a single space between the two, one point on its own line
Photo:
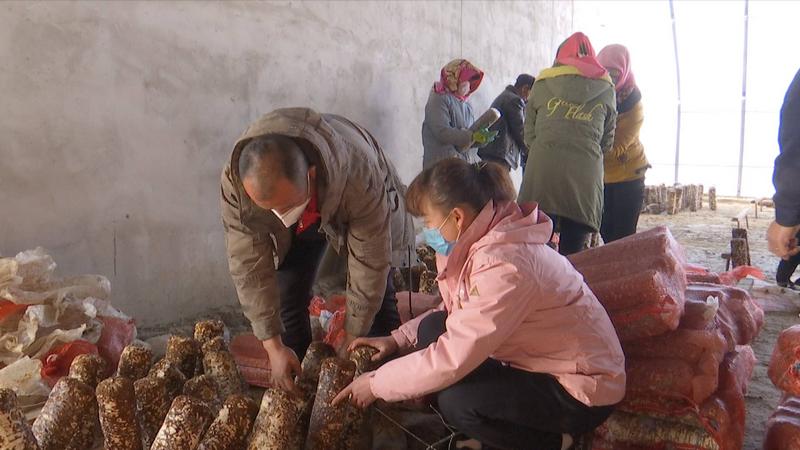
x=737 y=369
x=664 y=422
x=733 y=276
x=315 y=309
x=664 y=376
x=696 y=269
x=683 y=363
x=658 y=253
x=643 y=304
x=783 y=426
x=251 y=359
x=336 y=303
x=784 y=366
x=724 y=413
x=11 y=311
x=649 y=287
x=56 y=362
x=749 y=317
x=116 y=335
x=688 y=345
x=699 y=313
x=738 y=318
x=662 y=261
x=709 y=277
x=657 y=240
x=640 y=280
x=336 y=333
x=692 y=269
x=699 y=274
x=316 y=306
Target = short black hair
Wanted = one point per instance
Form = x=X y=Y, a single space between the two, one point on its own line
x=272 y=157
x=525 y=80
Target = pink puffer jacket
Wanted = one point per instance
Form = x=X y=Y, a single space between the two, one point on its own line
x=512 y=298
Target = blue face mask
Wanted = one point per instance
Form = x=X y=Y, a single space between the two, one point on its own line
x=434 y=238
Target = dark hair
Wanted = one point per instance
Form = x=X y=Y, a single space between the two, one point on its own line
x=524 y=80
x=272 y=157
x=454 y=182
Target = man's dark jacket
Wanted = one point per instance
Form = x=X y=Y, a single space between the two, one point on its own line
x=786 y=177
x=510 y=143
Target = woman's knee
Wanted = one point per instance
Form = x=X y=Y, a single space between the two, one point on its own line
x=456 y=407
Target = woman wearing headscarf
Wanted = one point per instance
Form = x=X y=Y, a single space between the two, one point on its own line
x=569 y=125
x=448 y=116
x=626 y=164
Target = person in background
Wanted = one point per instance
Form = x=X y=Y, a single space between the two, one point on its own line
x=786 y=268
x=494 y=351
x=448 y=116
x=784 y=232
x=289 y=196
x=569 y=126
x=509 y=148
x=626 y=164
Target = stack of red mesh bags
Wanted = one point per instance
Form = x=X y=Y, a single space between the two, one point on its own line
x=640 y=280
x=783 y=427
x=688 y=361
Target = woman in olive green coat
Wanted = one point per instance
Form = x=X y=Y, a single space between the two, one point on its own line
x=569 y=125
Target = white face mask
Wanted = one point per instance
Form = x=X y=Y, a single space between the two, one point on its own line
x=463 y=88
x=291 y=217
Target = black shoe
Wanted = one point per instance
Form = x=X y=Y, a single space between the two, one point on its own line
x=789 y=285
x=581 y=441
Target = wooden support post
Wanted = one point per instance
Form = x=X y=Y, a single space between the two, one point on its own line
x=662 y=195
x=685 y=197
x=741 y=233
x=699 y=196
x=654 y=196
x=691 y=195
x=679 y=199
x=738 y=252
x=653 y=203
x=712 y=198
x=671 y=203
x=727 y=258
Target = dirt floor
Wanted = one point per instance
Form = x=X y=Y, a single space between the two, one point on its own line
x=705 y=235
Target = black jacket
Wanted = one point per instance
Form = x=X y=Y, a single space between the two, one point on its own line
x=786 y=177
x=509 y=143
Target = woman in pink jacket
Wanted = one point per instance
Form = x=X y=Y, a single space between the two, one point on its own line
x=520 y=352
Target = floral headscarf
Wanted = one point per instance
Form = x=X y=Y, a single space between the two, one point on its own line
x=456 y=72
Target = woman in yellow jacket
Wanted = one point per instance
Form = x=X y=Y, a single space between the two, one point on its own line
x=626 y=164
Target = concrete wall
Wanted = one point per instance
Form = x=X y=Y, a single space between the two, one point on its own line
x=118 y=117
